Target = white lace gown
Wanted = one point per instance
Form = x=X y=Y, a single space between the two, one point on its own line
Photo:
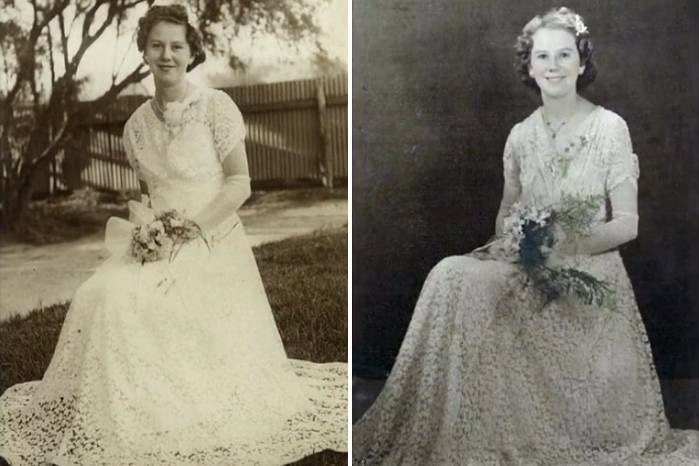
x=485 y=376
x=176 y=363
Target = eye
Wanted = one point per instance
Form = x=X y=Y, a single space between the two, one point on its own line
x=565 y=54
x=541 y=56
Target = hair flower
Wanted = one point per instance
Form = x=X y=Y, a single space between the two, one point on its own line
x=579 y=25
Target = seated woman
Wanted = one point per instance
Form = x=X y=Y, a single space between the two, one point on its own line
x=493 y=370
x=177 y=361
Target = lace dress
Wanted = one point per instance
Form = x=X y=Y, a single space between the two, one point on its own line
x=176 y=363
x=486 y=376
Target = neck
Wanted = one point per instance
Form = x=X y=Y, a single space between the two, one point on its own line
x=560 y=108
x=172 y=92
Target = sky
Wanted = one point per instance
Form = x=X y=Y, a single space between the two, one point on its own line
x=267 y=58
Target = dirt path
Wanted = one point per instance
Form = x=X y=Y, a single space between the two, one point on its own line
x=32 y=276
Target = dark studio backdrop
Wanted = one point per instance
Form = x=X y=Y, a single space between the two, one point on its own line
x=434 y=97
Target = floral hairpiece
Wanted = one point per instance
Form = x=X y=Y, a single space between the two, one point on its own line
x=579 y=25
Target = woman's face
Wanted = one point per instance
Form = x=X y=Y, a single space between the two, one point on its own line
x=167 y=53
x=555 y=62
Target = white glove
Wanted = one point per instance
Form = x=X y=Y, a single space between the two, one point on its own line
x=234 y=192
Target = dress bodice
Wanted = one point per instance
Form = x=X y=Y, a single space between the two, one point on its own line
x=179 y=155
x=599 y=158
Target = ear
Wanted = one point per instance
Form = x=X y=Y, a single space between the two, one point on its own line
x=531 y=72
x=581 y=69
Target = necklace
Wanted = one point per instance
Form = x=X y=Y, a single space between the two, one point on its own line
x=159 y=108
x=554 y=132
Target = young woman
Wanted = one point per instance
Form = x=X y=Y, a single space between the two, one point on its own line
x=490 y=373
x=177 y=362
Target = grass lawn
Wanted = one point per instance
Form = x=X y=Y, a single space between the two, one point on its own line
x=306 y=281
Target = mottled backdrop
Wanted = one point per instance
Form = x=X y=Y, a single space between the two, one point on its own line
x=434 y=98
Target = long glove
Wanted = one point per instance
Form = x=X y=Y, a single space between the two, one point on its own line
x=234 y=192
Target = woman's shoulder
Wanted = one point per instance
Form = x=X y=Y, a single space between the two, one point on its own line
x=216 y=96
x=525 y=127
x=607 y=116
x=138 y=114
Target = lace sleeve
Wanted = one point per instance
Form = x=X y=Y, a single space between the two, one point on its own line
x=129 y=149
x=228 y=125
x=622 y=163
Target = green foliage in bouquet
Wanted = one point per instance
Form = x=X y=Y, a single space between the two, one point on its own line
x=532 y=231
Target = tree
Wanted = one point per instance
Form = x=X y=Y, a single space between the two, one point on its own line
x=35 y=125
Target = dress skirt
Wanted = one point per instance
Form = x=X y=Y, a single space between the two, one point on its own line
x=175 y=363
x=489 y=374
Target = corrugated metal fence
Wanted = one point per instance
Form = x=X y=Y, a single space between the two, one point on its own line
x=296 y=130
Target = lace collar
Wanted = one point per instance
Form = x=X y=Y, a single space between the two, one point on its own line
x=173 y=116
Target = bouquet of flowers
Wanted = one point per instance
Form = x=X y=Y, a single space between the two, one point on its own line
x=163 y=237
x=531 y=234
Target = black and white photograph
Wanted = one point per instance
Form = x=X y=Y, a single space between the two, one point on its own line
x=525 y=208
x=174 y=243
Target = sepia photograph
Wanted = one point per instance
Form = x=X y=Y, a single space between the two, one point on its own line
x=174 y=242
x=525 y=208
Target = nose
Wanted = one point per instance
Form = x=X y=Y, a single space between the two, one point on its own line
x=166 y=53
x=553 y=63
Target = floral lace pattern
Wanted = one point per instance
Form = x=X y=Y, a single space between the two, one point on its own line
x=176 y=363
x=488 y=375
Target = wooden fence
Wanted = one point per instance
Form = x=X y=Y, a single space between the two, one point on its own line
x=296 y=130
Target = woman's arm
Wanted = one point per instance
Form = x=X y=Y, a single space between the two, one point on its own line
x=622 y=228
x=512 y=188
x=234 y=191
x=622 y=189
x=144 y=188
x=510 y=195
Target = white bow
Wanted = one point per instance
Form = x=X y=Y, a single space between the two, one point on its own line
x=117 y=235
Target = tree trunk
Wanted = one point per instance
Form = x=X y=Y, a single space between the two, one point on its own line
x=18 y=194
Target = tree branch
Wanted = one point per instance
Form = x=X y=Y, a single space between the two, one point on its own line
x=135 y=76
x=64 y=39
x=89 y=39
x=90 y=17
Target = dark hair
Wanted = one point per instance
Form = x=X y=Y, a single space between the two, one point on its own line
x=557 y=18
x=176 y=14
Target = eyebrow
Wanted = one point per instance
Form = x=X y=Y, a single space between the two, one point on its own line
x=176 y=42
x=559 y=50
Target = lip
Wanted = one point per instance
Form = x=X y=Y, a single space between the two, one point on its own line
x=555 y=78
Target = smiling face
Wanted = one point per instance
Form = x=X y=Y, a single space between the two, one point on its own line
x=167 y=53
x=555 y=62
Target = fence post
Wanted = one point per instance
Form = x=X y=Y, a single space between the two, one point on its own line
x=325 y=163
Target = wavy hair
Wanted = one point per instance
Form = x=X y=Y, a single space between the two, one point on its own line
x=557 y=18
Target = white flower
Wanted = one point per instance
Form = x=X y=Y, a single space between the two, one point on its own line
x=176 y=222
x=157 y=226
x=173 y=113
x=143 y=235
x=579 y=25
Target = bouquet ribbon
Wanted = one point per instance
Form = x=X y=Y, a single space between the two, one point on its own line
x=117 y=235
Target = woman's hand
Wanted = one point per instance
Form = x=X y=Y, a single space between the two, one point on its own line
x=564 y=243
x=555 y=259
